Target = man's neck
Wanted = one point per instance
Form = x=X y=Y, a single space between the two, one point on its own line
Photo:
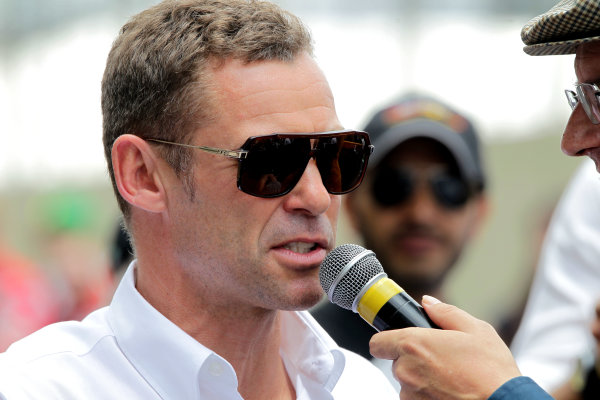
x=248 y=338
x=252 y=346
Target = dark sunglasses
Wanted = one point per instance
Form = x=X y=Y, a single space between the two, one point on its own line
x=272 y=165
x=393 y=186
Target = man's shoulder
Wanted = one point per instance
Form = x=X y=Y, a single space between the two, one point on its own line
x=63 y=361
x=72 y=360
x=60 y=339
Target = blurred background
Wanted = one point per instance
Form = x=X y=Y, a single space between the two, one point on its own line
x=57 y=209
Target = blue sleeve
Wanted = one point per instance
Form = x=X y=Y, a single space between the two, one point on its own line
x=520 y=388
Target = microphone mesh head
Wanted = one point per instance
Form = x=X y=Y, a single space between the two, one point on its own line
x=346 y=290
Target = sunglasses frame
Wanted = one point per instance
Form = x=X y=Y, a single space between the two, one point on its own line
x=242 y=153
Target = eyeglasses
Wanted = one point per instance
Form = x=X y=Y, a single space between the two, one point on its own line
x=588 y=95
x=272 y=165
x=394 y=186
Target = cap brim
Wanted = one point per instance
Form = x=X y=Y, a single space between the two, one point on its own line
x=426 y=128
x=557 y=48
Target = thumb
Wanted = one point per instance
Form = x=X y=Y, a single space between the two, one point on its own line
x=449 y=317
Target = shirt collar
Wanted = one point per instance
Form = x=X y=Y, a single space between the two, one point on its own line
x=311 y=355
x=174 y=363
x=167 y=357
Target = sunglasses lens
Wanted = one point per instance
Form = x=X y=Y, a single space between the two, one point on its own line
x=273 y=165
x=391 y=187
x=450 y=191
x=342 y=161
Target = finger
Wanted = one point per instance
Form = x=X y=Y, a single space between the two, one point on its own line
x=449 y=317
x=387 y=345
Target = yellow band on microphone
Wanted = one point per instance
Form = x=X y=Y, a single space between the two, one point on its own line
x=375 y=297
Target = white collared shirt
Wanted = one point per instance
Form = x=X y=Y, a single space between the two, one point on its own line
x=554 y=334
x=129 y=350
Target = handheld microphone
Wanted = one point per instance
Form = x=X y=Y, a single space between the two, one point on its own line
x=353 y=279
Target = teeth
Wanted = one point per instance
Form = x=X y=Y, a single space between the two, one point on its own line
x=299 y=247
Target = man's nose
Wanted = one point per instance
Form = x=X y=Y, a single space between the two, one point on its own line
x=422 y=204
x=310 y=194
x=579 y=134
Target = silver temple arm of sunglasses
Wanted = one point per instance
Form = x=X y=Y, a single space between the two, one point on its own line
x=237 y=154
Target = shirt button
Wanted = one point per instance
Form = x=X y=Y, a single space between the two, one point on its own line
x=215 y=368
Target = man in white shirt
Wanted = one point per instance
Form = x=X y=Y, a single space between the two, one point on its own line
x=554 y=335
x=195 y=95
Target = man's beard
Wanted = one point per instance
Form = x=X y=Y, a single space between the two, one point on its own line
x=409 y=278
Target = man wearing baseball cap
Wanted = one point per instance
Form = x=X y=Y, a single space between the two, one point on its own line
x=421 y=202
x=466 y=358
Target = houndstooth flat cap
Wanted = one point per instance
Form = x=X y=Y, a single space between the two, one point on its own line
x=564 y=27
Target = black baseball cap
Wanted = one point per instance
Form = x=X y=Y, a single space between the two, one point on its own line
x=413 y=116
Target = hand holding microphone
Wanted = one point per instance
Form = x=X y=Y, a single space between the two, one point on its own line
x=464 y=359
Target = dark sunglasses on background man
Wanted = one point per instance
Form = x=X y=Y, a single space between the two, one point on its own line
x=272 y=165
x=395 y=186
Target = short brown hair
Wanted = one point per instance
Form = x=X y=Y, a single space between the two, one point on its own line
x=157 y=78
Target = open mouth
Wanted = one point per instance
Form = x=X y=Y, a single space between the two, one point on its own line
x=300 y=247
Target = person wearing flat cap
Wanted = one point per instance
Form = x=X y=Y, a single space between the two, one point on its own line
x=466 y=359
x=554 y=344
x=421 y=202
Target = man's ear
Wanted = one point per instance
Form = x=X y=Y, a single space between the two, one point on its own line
x=135 y=166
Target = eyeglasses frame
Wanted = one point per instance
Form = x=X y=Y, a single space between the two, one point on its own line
x=574 y=98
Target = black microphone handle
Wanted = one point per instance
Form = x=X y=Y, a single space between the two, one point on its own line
x=401 y=311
